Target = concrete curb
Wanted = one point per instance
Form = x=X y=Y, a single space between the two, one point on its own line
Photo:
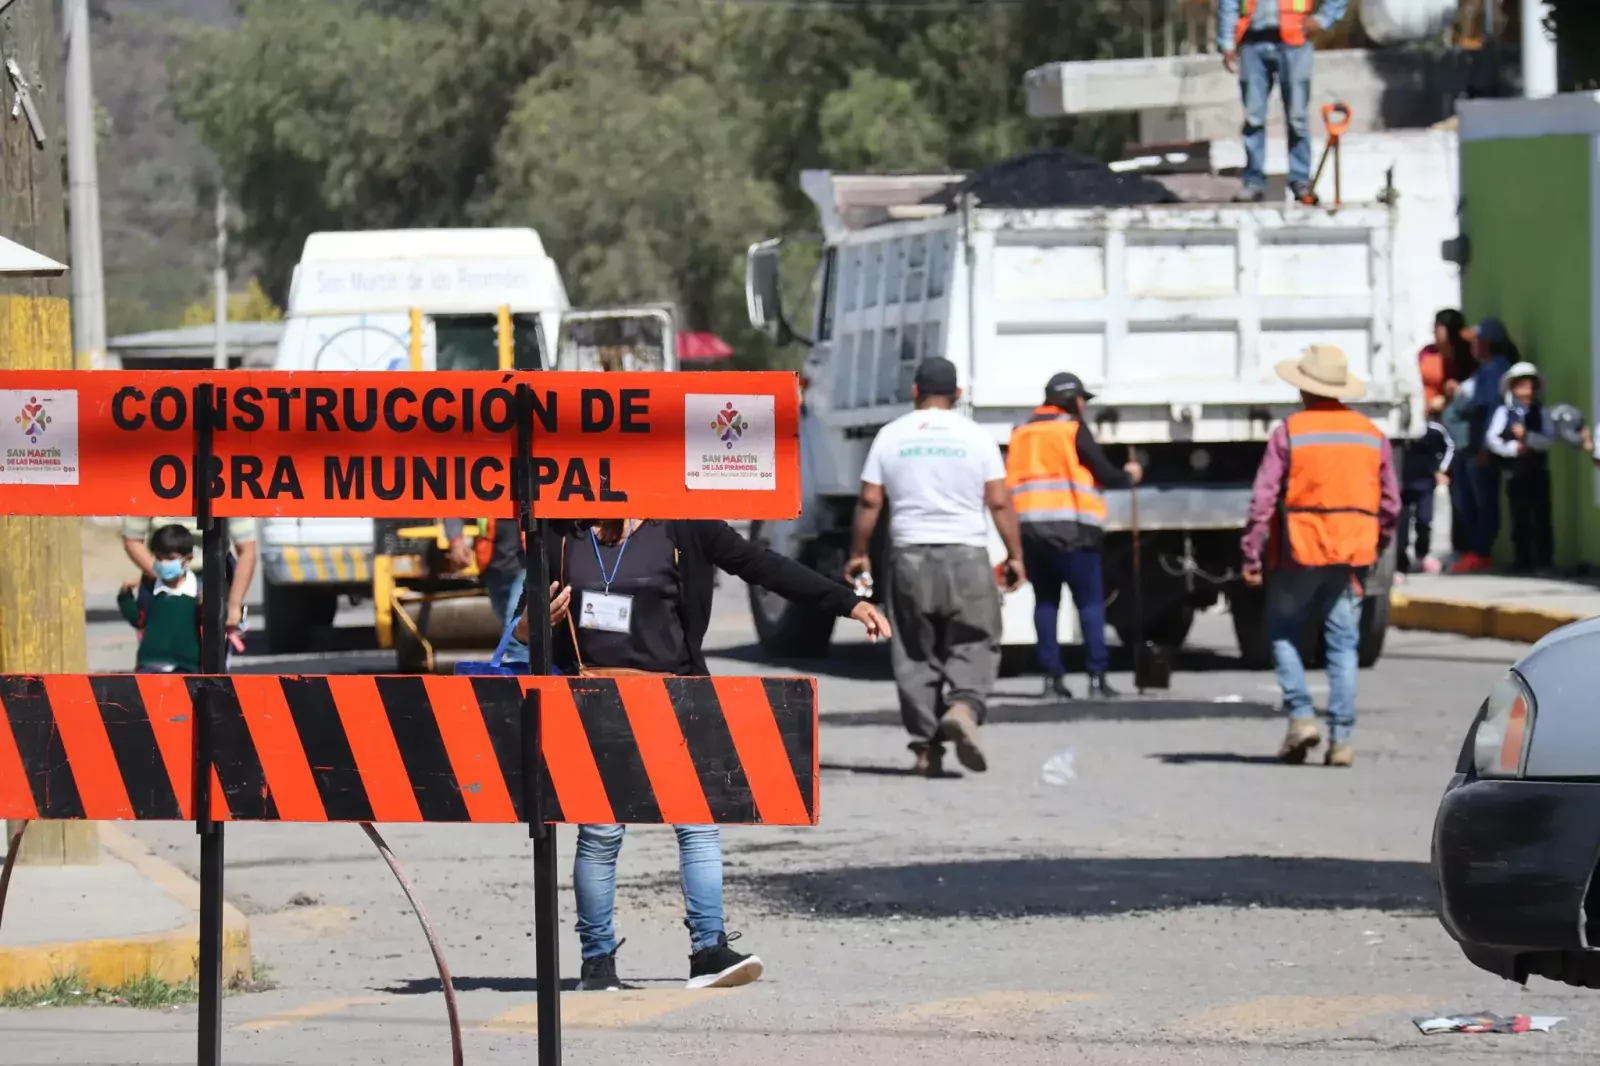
x=114 y=961
x=1521 y=624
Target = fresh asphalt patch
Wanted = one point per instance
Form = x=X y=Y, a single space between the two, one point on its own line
x=1081 y=887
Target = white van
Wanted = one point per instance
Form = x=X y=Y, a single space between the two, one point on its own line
x=395 y=300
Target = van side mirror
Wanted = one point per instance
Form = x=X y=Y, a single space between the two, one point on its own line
x=763 y=290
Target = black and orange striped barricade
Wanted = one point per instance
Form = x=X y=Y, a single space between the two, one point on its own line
x=537 y=750
x=353 y=748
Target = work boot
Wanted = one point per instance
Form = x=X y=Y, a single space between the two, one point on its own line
x=599 y=974
x=1303 y=193
x=1300 y=739
x=1100 y=688
x=1055 y=687
x=1250 y=194
x=960 y=725
x=1339 y=754
x=930 y=763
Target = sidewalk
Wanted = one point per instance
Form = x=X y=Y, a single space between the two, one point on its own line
x=1491 y=605
x=128 y=916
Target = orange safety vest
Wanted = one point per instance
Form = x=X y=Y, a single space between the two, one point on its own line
x=1048 y=482
x=1328 y=504
x=483 y=547
x=1292 y=15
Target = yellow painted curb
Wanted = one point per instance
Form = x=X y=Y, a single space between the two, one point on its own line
x=1521 y=624
x=107 y=963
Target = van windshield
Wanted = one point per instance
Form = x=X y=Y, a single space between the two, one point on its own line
x=471 y=342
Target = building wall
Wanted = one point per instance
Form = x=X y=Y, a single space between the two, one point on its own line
x=1528 y=218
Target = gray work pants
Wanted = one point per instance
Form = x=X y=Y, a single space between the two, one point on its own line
x=946 y=645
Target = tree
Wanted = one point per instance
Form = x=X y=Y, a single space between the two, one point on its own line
x=251 y=305
x=1576 y=24
x=631 y=159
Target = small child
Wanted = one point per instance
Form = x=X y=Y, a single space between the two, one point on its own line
x=1521 y=434
x=1425 y=468
x=168 y=616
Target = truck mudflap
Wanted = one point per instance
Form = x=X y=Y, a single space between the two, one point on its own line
x=336 y=564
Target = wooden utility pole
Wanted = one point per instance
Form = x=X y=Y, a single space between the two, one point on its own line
x=41 y=559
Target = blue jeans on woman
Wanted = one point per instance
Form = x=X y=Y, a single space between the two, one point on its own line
x=1325 y=596
x=1080 y=570
x=594 y=881
x=1263 y=60
x=504 y=592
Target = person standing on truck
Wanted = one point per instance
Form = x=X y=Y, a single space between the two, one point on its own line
x=1326 y=502
x=1265 y=41
x=941 y=472
x=1056 y=471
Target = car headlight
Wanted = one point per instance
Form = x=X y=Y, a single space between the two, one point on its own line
x=1500 y=748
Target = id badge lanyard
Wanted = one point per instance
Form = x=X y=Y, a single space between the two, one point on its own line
x=605 y=578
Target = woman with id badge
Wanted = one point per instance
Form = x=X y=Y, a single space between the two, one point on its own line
x=635 y=598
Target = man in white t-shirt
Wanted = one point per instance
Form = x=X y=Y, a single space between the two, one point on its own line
x=943 y=476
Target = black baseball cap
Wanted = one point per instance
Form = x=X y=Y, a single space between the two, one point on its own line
x=1064 y=388
x=936 y=377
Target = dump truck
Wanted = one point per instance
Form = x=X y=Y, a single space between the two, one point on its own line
x=1173 y=313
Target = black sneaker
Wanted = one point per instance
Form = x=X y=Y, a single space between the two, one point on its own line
x=1055 y=688
x=1250 y=194
x=599 y=974
x=719 y=966
x=1303 y=193
x=1100 y=688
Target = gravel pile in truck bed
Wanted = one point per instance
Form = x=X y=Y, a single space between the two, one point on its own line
x=1054 y=177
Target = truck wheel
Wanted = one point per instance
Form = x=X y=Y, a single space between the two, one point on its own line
x=787 y=630
x=1248 y=608
x=1374 y=627
x=294 y=614
x=1169 y=629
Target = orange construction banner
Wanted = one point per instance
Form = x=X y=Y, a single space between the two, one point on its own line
x=381 y=444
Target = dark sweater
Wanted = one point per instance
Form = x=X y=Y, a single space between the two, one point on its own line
x=704 y=547
x=171 y=624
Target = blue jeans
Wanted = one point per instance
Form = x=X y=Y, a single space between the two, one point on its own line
x=1486 y=507
x=504 y=591
x=1049 y=569
x=1261 y=62
x=1324 y=594
x=594 y=882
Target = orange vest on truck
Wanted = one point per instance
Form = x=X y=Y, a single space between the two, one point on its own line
x=1292 y=15
x=1048 y=483
x=1328 y=510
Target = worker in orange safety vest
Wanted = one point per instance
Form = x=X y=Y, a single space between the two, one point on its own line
x=1056 y=471
x=1326 y=502
x=1265 y=41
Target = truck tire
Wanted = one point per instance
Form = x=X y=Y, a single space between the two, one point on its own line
x=294 y=615
x=784 y=629
x=1374 y=628
x=1248 y=608
x=1169 y=629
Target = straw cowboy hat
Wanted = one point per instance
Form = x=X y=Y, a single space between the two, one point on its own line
x=1323 y=370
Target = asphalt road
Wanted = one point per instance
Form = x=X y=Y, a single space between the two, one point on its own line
x=1182 y=899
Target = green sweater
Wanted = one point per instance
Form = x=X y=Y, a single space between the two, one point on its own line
x=171 y=629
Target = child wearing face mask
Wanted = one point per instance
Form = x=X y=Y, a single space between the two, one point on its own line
x=168 y=616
